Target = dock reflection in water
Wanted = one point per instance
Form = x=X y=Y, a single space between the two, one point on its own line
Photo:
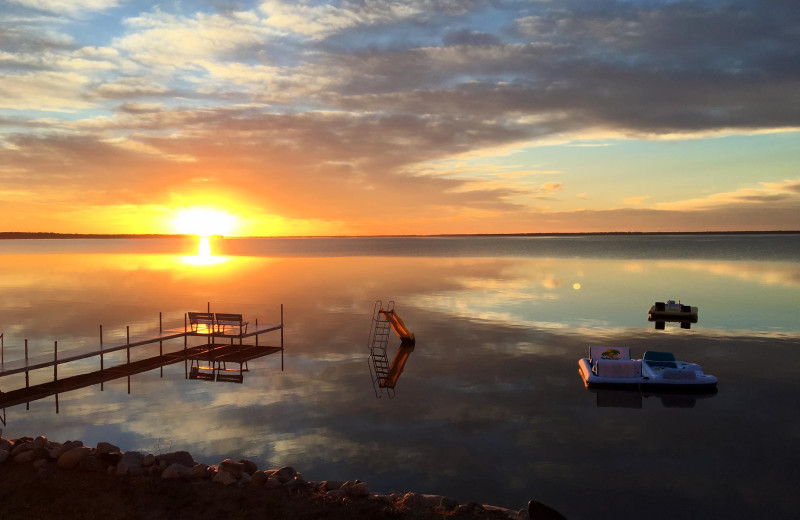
x=221 y=363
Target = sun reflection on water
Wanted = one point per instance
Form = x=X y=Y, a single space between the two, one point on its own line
x=204 y=256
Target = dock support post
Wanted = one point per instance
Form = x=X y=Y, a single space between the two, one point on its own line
x=256 y=333
x=55 y=361
x=281 y=337
x=27 y=380
x=161 y=342
x=128 y=342
x=2 y=349
x=101 y=355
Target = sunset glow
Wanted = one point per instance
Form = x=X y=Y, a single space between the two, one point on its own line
x=420 y=117
x=204 y=223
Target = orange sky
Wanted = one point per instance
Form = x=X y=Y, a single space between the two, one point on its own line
x=329 y=118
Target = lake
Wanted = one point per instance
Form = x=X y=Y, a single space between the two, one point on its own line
x=490 y=406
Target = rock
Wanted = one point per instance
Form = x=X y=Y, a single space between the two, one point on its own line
x=448 y=504
x=26 y=457
x=131 y=460
x=40 y=463
x=177 y=457
x=200 y=471
x=499 y=512
x=414 y=502
x=111 y=470
x=471 y=508
x=297 y=484
x=249 y=466
x=89 y=463
x=177 y=470
x=71 y=458
x=336 y=493
x=258 y=478
x=40 y=442
x=57 y=451
x=285 y=474
x=273 y=483
x=109 y=459
x=234 y=468
x=4 y=455
x=244 y=480
x=356 y=489
x=105 y=447
x=330 y=485
x=5 y=444
x=225 y=478
x=148 y=460
x=19 y=448
x=539 y=511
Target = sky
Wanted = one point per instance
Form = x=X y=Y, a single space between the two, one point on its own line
x=378 y=117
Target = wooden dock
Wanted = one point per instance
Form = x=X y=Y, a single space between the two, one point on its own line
x=219 y=347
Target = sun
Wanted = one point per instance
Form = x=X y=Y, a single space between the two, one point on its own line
x=203 y=222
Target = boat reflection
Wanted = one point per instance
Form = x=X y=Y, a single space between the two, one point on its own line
x=618 y=398
x=660 y=322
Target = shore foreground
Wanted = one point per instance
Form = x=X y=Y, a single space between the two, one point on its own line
x=43 y=479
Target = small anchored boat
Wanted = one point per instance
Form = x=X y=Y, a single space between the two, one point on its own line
x=672 y=309
x=613 y=367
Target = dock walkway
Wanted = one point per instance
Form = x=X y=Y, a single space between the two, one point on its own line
x=39 y=361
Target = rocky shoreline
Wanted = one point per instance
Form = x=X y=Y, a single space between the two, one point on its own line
x=34 y=468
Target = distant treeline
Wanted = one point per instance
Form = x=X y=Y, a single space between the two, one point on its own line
x=8 y=235
x=24 y=235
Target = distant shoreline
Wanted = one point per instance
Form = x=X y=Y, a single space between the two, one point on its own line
x=21 y=235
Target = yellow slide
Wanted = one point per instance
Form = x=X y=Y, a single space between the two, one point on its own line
x=406 y=337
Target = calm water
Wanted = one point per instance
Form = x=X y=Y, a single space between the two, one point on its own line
x=490 y=407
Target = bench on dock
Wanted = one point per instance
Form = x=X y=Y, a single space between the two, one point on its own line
x=217 y=323
x=225 y=320
x=196 y=319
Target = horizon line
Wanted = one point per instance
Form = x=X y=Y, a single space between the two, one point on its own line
x=25 y=235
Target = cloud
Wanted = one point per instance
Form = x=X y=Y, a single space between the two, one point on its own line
x=635 y=201
x=68 y=7
x=59 y=91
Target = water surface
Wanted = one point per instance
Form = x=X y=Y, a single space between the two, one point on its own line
x=490 y=407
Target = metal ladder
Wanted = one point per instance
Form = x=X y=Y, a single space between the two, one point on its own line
x=378 y=341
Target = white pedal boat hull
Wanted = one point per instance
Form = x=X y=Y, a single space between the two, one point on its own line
x=617 y=373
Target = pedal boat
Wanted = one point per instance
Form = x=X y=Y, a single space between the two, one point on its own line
x=672 y=310
x=612 y=367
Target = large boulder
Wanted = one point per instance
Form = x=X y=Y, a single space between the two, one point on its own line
x=234 y=468
x=105 y=447
x=177 y=470
x=70 y=459
x=249 y=466
x=40 y=442
x=4 y=455
x=57 y=451
x=285 y=474
x=130 y=463
x=225 y=478
x=176 y=457
x=539 y=511
x=258 y=478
